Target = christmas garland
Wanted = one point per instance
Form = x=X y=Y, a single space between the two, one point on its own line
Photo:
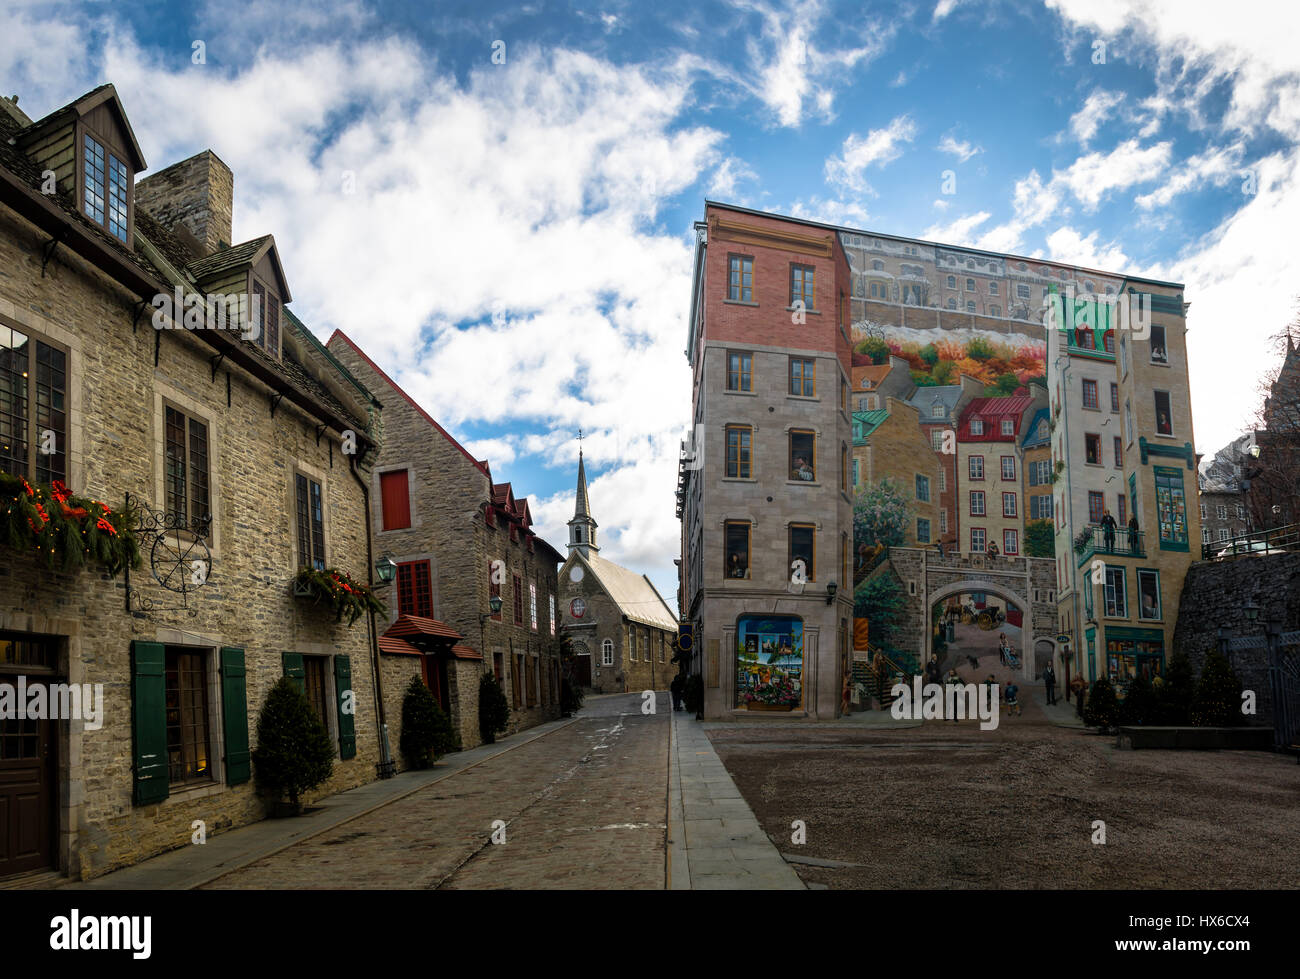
x=67 y=531
x=344 y=595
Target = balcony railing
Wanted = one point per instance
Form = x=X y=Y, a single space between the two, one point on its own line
x=1255 y=542
x=1123 y=543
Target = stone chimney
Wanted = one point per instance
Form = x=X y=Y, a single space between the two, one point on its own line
x=197 y=193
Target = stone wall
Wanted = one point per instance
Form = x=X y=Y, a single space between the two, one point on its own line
x=449 y=494
x=395 y=673
x=116 y=436
x=1214 y=597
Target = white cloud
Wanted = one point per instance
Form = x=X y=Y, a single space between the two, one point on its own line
x=729 y=174
x=1090 y=178
x=847 y=214
x=1032 y=203
x=1067 y=245
x=940 y=204
x=1096 y=109
x=1216 y=165
x=877 y=148
x=956 y=232
x=961 y=149
x=943 y=8
x=792 y=69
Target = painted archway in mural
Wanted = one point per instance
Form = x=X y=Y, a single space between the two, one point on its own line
x=1023 y=646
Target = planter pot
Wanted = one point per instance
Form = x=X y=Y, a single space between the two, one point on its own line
x=755 y=705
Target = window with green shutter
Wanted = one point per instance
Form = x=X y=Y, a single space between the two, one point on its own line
x=149 y=722
x=293 y=669
x=346 y=699
x=234 y=715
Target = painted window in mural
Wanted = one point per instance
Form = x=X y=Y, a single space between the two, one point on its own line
x=769 y=661
x=1171 y=508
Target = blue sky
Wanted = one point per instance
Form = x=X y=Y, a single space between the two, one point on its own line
x=516 y=246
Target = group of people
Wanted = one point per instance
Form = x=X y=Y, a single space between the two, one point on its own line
x=1010 y=692
x=1109 y=527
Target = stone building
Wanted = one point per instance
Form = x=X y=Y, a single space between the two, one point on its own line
x=1123 y=441
x=889 y=445
x=622 y=629
x=239 y=450
x=1223 y=503
x=765 y=494
x=459 y=541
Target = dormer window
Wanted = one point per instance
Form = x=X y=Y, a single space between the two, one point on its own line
x=268 y=312
x=106 y=188
x=977 y=426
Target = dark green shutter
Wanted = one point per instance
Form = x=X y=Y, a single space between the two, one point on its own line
x=149 y=721
x=294 y=671
x=347 y=727
x=234 y=715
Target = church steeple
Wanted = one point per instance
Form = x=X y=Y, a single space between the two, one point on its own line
x=582 y=528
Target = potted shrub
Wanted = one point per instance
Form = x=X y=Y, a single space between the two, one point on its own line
x=570 y=697
x=1102 y=707
x=427 y=733
x=1217 y=701
x=493 y=708
x=1174 y=692
x=294 y=753
x=1139 y=703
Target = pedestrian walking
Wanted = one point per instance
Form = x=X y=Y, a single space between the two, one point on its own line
x=1078 y=685
x=1013 y=698
x=1049 y=679
x=1003 y=647
x=676 y=688
x=1108 y=530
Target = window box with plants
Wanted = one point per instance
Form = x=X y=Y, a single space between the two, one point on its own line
x=65 y=531
x=343 y=594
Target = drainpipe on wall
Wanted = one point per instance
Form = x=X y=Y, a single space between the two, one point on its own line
x=1080 y=640
x=385 y=755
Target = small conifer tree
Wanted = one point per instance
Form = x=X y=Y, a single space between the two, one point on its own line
x=294 y=753
x=427 y=733
x=493 y=708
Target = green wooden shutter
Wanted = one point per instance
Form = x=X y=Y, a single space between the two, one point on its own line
x=234 y=715
x=294 y=671
x=342 y=687
x=149 y=721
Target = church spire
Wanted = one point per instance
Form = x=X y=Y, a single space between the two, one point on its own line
x=582 y=528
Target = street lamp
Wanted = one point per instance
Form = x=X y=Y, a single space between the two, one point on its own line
x=1251 y=611
x=385 y=570
x=494 y=603
x=831 y=589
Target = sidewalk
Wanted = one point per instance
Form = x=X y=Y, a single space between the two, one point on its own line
x=1061 y=714
x=192 y=866
x=714 y=840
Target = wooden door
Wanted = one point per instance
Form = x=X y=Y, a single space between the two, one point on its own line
x=582 y=670
x=26 y=795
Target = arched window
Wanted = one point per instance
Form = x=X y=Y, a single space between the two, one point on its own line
x=607 y=653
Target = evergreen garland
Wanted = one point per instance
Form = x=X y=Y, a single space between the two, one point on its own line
x=66 y=531
x=344 y=595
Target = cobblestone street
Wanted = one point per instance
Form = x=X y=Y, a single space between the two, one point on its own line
x=583 y=807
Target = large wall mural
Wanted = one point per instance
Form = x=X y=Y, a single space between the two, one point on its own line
x=951 y=311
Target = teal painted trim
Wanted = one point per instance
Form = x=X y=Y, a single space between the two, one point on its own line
x=1173 y=546
x=1134 y=634
x=1185 y=452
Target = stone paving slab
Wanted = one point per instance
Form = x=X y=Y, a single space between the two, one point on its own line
x=192 y=866
x=716 y=843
